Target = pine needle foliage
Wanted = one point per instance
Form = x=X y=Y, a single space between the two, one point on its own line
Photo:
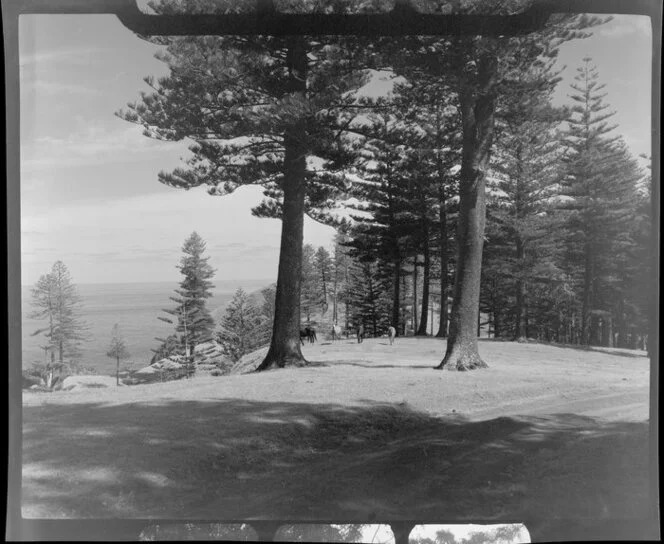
x=56 y=301
x=193 y=322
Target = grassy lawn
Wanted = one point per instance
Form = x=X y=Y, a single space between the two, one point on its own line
x=372 y=432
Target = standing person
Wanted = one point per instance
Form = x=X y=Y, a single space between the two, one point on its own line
x=360 y=333
x=391 y=333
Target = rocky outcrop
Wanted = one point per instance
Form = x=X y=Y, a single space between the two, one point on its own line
x=210 y=353
x=73 y=383
x=249 y=362
x=171 y=363
x=147 y=370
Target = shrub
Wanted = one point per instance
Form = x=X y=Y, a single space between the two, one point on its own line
x=48 y=375
x=30 y=379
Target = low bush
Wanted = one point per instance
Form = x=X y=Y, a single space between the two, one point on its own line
x=46 y=375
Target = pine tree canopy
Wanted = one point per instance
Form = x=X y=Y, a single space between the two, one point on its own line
x=191 y=316
x=117 y=348
x=242 y=326
x=233 y=98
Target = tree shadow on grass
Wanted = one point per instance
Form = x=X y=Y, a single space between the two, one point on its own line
x=368 y=364
x=237 y=459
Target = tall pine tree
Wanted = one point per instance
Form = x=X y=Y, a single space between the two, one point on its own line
x=191 y=317
x=599 y=187
x=241 y=326
x=55 y=299
x=258 y=109
x=521 y=244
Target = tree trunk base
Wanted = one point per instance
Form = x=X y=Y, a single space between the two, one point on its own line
x=461 y=361
x=275 y=360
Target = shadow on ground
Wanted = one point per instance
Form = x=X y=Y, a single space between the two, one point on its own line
x=368 y=364
x=236 y=459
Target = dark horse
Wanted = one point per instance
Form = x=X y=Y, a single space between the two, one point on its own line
x=309 y=334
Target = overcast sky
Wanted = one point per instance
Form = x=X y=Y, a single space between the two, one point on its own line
x=89 y=190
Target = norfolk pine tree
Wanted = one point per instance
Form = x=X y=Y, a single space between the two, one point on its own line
x=480 y=70
x=240 y=326
x=117 y=350
x=600 y=191
x=381 y=191
x=257 y=107
x=521 y=230
x=324 y=273
x=310 y=294
x=434 y=109
x=56 y=300
x=192 y=319
x=635 y=272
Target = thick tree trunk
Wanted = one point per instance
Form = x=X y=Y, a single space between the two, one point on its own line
x=424 y=316
x=477 y=110
x=462 y=351
x=285 y=345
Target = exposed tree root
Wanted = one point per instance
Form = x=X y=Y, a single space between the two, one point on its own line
x=275 y=360
x=461 y=360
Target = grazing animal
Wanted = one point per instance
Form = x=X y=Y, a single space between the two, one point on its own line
x=391 y=333
x=360 y=334
x=309 y=334
x=336 y=332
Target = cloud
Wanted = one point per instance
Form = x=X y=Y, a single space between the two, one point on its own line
x=223 y=247
x=54 y=87
x=626 y=25
x=73 y=55
x=91 y=144
x=139 y=238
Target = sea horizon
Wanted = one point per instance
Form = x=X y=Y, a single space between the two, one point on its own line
x=135 y=306
x=266 y=281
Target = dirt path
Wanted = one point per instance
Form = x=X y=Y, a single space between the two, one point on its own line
x=372 y=432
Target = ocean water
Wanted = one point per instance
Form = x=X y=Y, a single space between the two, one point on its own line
x=135 y=307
